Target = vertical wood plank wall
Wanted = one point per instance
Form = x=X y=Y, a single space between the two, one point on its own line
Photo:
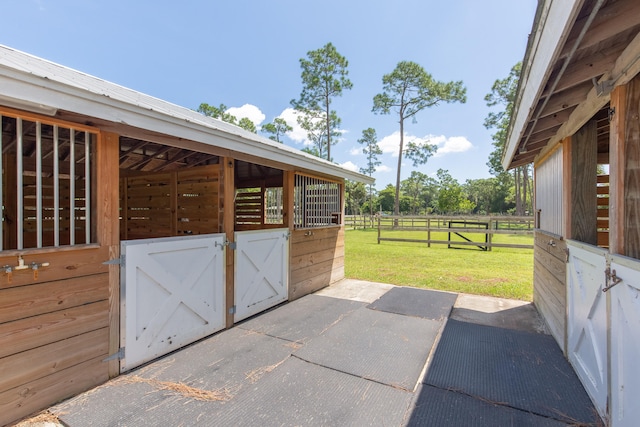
x=57 y=328
x=317 y=259
x=550 y=283
x=583 y=212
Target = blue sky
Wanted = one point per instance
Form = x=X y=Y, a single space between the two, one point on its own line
x=245 y=54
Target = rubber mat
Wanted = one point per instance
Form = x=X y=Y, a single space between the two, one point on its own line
x=518 y=369
x=298 y=393
x=436 y=407
x=227 y=365
x=416 y=302
x=385 y=347
x=302 y=319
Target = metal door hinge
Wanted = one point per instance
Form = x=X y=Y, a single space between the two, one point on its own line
x=115 y=356
x=566 y=251
x=230 y=245
x=115 y=261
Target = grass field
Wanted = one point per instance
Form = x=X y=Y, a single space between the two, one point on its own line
x=501 y=272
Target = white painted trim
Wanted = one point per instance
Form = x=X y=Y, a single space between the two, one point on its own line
x=34 y=80
x=556 y=20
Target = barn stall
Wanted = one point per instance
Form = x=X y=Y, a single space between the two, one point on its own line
x=132 y=227
x=576 y=118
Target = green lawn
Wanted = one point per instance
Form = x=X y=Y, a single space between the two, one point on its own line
x=501 y=272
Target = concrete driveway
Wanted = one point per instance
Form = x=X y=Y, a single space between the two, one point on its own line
x=356 y=353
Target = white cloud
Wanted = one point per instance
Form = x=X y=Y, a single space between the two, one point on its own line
x=446 y=145
x=383 y=168
x=249 y=111
x=454 y=144
x=350 y=165
x=355 y=151
x=291 y=117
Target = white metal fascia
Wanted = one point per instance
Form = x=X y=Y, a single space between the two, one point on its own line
x=556 y=20
x=35 y=80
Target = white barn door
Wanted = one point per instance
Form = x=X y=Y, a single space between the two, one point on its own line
x=625 y=345
x=587 y=319
x=261 y=271
x=172 y=294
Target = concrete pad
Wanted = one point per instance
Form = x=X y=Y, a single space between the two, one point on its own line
x=500 y=312
x=424 y=303
x=356 y=290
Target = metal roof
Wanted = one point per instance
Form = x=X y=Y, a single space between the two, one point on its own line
x=35 y=84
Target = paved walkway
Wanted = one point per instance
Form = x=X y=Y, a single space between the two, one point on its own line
x=357 y=353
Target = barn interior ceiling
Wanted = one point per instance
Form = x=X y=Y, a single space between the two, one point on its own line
x=590 y=50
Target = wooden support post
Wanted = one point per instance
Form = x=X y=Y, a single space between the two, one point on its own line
x=624 y=196
x=288 y=189
x=108 y=229
x=227 y=191
x=173 y=202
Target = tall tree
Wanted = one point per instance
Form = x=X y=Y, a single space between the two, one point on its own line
x=416 y=188
x=276 y=129
x=221 y=113
x=407 y=90
x=324 y=77
x=372 y=150
x=503 y=94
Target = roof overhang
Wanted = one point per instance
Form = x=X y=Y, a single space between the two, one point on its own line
x=578 y=51
x=38 y=85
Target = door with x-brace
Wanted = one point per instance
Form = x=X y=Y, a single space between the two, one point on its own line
x=172 y=294
x=261 y=271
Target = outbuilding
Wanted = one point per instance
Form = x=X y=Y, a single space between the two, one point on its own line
x=577 y=118
x=132 y=227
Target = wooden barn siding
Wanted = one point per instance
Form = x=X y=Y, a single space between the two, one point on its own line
x=549 y=283
x=177 y=203
x=317 y=260
x=54 y=331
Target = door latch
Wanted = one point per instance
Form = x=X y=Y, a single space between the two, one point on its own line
x=612 y=279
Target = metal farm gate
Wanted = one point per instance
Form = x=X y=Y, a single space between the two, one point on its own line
x=603 y=324
x=172 y=294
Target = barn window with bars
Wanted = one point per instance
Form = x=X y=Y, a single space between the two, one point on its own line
x=317 y=202
x=46 y=187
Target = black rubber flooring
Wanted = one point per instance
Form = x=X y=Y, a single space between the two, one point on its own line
x=303 y=319
x=509 y=368
x=384 y=347
x=423 y=303
x=327 y=361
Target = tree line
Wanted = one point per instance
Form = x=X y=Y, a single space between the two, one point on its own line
x=406 y=91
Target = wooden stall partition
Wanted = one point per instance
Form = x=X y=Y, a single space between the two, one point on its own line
x=55 y=328
x=317 y=259
x=550 y=283
x=176 y=203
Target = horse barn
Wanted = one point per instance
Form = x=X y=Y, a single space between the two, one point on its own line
x=132 y=227
x=577 y=118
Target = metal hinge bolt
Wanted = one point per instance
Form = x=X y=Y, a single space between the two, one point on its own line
x=611 y=278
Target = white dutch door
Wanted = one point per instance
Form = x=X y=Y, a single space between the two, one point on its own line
x=625 y=342
x=172 y=294
x=261 y=271
x=587 y=319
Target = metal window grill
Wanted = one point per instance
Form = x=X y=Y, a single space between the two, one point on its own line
x=316 y=202
x=46 y=184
